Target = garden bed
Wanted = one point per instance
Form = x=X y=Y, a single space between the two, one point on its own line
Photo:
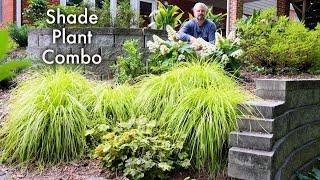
x=92 y=169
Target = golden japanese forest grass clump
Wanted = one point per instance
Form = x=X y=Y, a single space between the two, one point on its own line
x=48 y=118
x=199 y=101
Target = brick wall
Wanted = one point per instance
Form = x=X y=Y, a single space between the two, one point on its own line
x=55 y=1
x=236 y=11
x=9 y=11
x=283 y=7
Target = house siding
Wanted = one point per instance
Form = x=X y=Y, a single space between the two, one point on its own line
x=248 y=7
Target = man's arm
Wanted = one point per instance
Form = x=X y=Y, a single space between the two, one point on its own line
x=185 y=31
x=212 y=32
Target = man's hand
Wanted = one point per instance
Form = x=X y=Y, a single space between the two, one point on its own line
x=192 y=39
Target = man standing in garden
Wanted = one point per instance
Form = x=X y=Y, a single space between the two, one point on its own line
x=199 y=27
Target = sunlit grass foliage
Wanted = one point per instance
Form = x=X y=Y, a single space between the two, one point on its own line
x=198 y=100
x=48 y=119
x=109 y=104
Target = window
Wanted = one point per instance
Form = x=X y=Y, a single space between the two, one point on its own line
x=145 y=11
x=1 y=11
x=73 y=2
x=145 y=7
x=99 y=3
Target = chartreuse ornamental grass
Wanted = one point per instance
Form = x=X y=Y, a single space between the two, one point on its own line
x=48 y=119
x=199 y=101
x=109 y=104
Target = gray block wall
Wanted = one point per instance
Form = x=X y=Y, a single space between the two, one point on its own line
x=284 y=134
x=107 y=42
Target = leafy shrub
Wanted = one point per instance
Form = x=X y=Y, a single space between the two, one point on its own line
x=104 y=15
x=125 y=15
x=19 y=34
x=316 y=36
x=139 y=150
x=110 y=104
x=128 y=68
x=7 y=68
x=35 y=11
x=276 y=43
x=166 y=54
x=166 y=15
x=48 y=119
x=196 y=100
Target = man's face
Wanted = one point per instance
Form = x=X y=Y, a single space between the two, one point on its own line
x=199 y=12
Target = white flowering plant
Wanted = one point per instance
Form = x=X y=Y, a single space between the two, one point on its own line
x=228 y=52
x=167 y=53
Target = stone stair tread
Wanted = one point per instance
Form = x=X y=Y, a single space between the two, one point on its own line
x=265 y=103
x=265 y=108
x=254 y=134
x=253 y=118
x=252 y=151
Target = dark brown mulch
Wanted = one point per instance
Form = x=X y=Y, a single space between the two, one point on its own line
x=85 y=169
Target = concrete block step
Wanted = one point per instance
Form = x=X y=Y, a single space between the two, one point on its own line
x=250 y=164
x=252 y=140
x=265 y=108
x=254 y=124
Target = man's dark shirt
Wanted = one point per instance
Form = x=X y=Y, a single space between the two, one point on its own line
x=206 y=31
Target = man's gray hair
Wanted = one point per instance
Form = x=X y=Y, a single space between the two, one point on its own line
x=200 y=4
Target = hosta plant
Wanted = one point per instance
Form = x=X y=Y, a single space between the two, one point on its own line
x=47 y=120
x=197 y=100
x=139 y=150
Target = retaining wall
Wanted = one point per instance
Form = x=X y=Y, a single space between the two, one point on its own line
x=107 y=42
x=284 y=137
